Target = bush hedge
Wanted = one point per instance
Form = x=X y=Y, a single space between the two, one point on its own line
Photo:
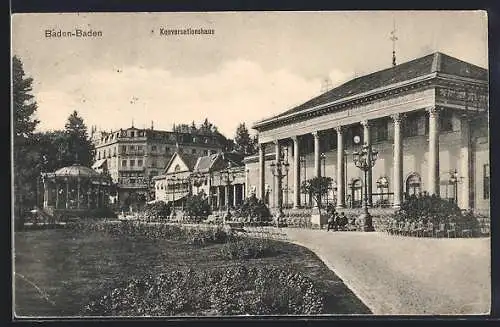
x=156 y=211
x=254 y=210
x=428 y=208
x=235 y=290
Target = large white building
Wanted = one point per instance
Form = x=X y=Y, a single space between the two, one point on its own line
x=427 y=118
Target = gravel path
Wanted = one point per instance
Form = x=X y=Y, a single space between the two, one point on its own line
x=405 y=275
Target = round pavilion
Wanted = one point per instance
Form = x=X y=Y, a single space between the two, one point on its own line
x=76 y=189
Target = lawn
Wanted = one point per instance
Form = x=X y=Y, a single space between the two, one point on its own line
x=59 y=271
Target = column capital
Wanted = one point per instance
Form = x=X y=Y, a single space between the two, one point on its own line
x=433 y=111
x=276 y=142
x=398 y=117
x=294 y=138
x=340 y=129
x=315 y=134
x=366 y=123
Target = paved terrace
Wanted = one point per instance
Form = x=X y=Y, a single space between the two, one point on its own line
x=406 y=275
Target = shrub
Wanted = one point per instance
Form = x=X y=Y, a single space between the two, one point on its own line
x=254 y=210
x=224 y=291
x=247 y=248
x=429 y=209
x=197 y=206
x=156 y=211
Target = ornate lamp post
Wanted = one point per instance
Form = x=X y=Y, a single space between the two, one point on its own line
x=280 y=170
x=228 y=178
x=365 y=160
x=454 y=180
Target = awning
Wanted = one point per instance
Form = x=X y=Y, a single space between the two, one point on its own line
x=98 y=163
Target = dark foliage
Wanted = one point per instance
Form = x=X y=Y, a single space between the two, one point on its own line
x=197 y=206
x=156 y=211
x=254 y=210
x=224 y=291
x=428 y=209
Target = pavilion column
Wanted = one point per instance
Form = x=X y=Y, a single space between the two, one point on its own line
x=219 y=197
x=262 y=172
x=209 y=199
x=89 y=193
x=317 y=163
x=226 y=195
x=45 y=193
x=78 y=193
x=57 y=194
x=340 y=168
x=433 y=187
x=367 y=140
x=277 y=184
x=398 y=160
x=296 y=172
x=234 y=196
x=465 y=164
x=67 y=193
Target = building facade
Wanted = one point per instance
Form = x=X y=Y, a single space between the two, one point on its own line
x=219 y=177
x=427 y=118
x=134 y=156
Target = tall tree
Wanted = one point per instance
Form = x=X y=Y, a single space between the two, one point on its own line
x=79 y=146
x=25 y=156
x=243 y=142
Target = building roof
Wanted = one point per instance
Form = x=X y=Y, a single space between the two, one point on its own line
x=76 y=170
x=435 y=62
x=218 y=161
x=99 y=163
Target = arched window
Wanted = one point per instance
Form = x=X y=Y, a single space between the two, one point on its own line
x=383 y=192
x=177 y=167
x=356 y=196
x=413 y=184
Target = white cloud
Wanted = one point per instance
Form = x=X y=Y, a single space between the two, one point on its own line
x=240 y=91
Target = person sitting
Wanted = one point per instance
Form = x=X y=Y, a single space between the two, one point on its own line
x=342 y=221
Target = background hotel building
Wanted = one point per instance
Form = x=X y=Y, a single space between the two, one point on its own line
x=134 y=156
x=427 y=118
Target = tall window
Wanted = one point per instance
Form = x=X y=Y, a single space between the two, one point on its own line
x=411 y=126
x=486 y=181
x=445 y=121
x=383 y=191
x=132 y=163
x=139 y=163
x=153 y=148
x=124 y=163
x=413 y=184
x=124 y=149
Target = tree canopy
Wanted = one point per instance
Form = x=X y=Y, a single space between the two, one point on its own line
x=318 y=187
x=244 y=143
x=25 y=155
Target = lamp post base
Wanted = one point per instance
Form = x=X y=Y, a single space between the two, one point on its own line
x=366 y=218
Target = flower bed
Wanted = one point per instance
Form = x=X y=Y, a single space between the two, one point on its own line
x=225 y=291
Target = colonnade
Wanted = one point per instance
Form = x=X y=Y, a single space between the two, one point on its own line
x=397 y=182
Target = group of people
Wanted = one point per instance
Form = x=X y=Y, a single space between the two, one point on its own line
x=337 y=221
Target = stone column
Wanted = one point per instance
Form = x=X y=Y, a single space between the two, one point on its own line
x=277 y=184
x=340 y=168
x=89 y=193
x=317 y=162
x=369 y=174
x=398 y=160
x=433 y=187
x=262 y=173
x=296 y=172
x=465 y=164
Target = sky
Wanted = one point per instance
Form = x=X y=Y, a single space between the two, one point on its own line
x=254 y=65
